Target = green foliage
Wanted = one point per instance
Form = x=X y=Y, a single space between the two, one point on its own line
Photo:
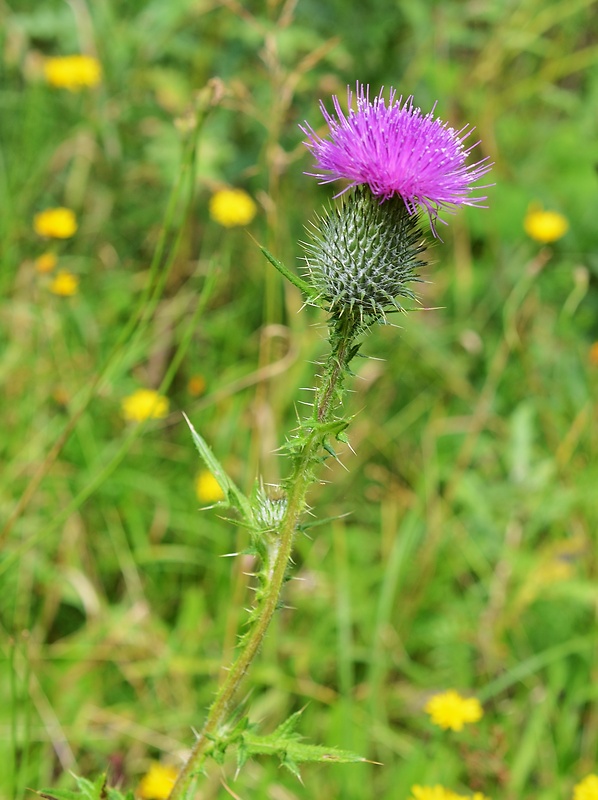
x=283 y=744
x=86 y=790
x=234 y=497
x=306 y=288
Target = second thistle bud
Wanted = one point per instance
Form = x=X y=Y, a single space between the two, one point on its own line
x=364 y=254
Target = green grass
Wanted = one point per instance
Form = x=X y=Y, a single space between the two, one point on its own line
x=467 y=558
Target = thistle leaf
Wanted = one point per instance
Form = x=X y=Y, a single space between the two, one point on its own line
x=305 y=287
x=234 y=496
x=285 y=743
x=86 y=790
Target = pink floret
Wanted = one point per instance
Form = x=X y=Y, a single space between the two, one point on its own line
x=396 y=150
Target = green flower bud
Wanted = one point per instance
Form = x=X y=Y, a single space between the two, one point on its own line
x=270 y=507
x=363 y=255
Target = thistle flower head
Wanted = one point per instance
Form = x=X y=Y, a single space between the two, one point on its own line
x=363 y=254
x=396 y=150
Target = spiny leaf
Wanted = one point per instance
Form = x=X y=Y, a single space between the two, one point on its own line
x=59 y=794
x=329 y=449
x=290 y=764
x=288 y=726
x=234 y=496
x=86 y=790
x=305 y=287
x=242 y=756
x=316 y=523
x=286 y=744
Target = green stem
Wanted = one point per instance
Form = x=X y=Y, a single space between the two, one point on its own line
x=336 y=367
x=297 y=485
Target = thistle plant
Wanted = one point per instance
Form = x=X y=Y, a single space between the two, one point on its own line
x=362 y=259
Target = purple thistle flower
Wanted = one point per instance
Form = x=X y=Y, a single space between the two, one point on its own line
x=396 y=150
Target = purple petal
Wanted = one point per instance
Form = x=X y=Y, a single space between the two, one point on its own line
x=396 y=150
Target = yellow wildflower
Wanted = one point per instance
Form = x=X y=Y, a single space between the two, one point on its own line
x=594 y=354
x=196 y=385
x=46 y=262
x=440 y=793
x=544 y=226
x=72 y=72
x=143 y=404
x=431 y=793
x=450 y=710
x=232 y=207
x=207 y=488
x=586 y=789
x=157 y=783
x=64 y=284
x=56 y=223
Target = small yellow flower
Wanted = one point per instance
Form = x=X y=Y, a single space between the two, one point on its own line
x=431 y=793
x=440 y=793
x=544 y=226
x=196 y=385
x=450 y=710
x=594 y=354
x=586 y=789
x=232 y=207
x=207 y=488
x=144 y=404
x=72 y=72
x=56 y=223
x=65 y=284
x=46 y=262
x=157 y=783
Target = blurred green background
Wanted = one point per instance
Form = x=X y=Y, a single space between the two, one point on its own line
x=468 y=556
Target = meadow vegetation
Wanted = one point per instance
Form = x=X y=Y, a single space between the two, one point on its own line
x=453 y=549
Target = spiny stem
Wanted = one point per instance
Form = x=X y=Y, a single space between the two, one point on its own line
x=337 y=363
x=298 y=484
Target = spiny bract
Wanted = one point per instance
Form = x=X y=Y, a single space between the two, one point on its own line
x=363 y=254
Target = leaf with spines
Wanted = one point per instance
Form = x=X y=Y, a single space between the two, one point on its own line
x=234 y=497
x=285 y=744
x=304 y=286
x=86 y=790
